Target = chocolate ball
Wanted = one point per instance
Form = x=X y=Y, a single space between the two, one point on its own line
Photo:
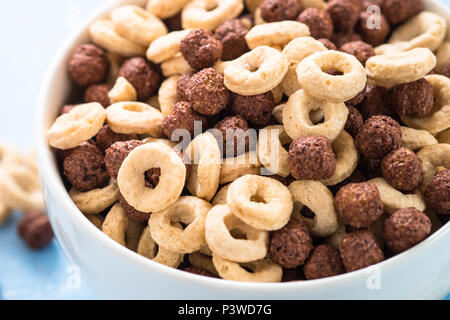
x=318 y=21
x=328 y=44
x=376 y=102
x=437 y=193
x=290 y=275
x=398 y=11
x=415 y=99
x=371 y=33
x=131 y=212
x=356 y=99
x=233 y=135
x=371 y=167
x=340 y=38
x=35 y=230
x=182 y=116
x=200 y=49
x=359 y=249
x=354 y=122
x=324 y=261
x=98 y=93
x=106 y=137
x=88 y=65
x=361 y=50
x=116 y=154
x=256 y=110
x=279 y=10
x=344 y=13
x=232 y=35
x=182 y=84
x=174 y=23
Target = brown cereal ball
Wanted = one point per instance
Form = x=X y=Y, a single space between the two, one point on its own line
x=357 y=99
x=88 y=65
x=415 y=99
x=342 y=37
x=174 y=23
x=359 y=249
x=318 y=21
x=98 y=93
x=106 y=137
x=398 y=11
x=142 y=75
x=371 y=167
x=437 y=193
x=85 y=168
x=198 y=271
x=325 y=261
x=402 y=169
x=344 y=13
x=207 y=93
x=290 y=275
x=279 y=10
x=357 y=176
x=406 y=228
x=378 y=136
x=359 y=204
x=116 y=154
x=328 y=44
x=232 y=35
x=354 y=122
x=182 y=116
x=376 y=102
x=361 y=50
x=370 y=33
x=291 y=245
x=233 y=135
x=257 y=110
x=131 y=212
x=311 y=158
x=182 y=84
x=200 y=49
x=35 y=230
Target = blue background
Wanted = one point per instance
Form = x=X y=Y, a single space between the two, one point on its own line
x=31 y=33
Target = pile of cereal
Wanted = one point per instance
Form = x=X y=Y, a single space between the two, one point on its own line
x=261 y=140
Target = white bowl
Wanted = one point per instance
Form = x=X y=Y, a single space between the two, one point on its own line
x=117 y=273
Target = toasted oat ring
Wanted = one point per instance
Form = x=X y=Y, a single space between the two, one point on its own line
x=395 y=68
x=116 y=224
x=233 y=168
x=432 y=157
x=439 y=120
x=275 y=34
x=122 y=91
x=204 y=155
x=166 y=47
x=416 y=139
x=444 y=136
x=79 y=125
x=167 y=95
x=261 y=202
x=131 y=117
x=221 y=196
x=312 y=76
x=190 y=211
x=96 y=219
x=103 y=34
x=220 y=222
x=167 y=142
x=165 y=9
x=209 y=14
x=203 y=262
x=171 y=182
x=95 y=201
x=133 y=234
x=442 y=56
x=297 y=122
x=317 y=197
x=271 y=153
x=346 y=159
x=263 y=270
x=270 y=66
x=175 y=66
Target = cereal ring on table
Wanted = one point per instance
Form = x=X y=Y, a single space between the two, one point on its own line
x=166 y=47
x=204 y=154
x=79 y=125
x=271 y=153
x=262 y=270
x=137 y=25
x=439 y=120
x=167 y=95
x=315 y=81
x=444 y=136
x=203 y=262
x=297 y=121
x=270 y=65
x=123 y=90
x=131 y=179
x=442 y=56
x=134 y=117
x=233 y=168
x=416 y=139
x=175 y=66
x=165 y=9
x=261 y=202
x=394 y=200
x=432 y=157
x=317 y=197
x=275 y=34
x=209 y=14
x=95 y=201
x=390 y=69
x=221 y=196
x=221 y=223
x=103 y=34
x=190 y=211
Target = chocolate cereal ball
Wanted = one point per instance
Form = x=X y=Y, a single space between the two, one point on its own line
x=131 y=212
x=328 y=44
x=233 y=134
x=406 y=228
x=256 y=110
x=378 y=136
x=415 y=99
x=311 y=158
x=318 y=21
x=371 y=167
x=398 y=11
x=354 y=121
x=279 y=10
x=106 y=137
x=116 y=154
x=371 y=33
x=402 y=169
x=376 y=102
x=359 y=249
x=290 y=275
x=182 y=84
x=35 y=229
x=142 y=75
x=207 y=92
x=98 y=93
x=437 y=193
x=88 y=65
x=356 y=99
x=291 y=245
x=359 y=204
x=174 y=23
x=232 y=35
x=85 y=169
x=361 y=50
x=325 y=261
x=344 y=13
x=340 y=38
x=200 y=49
x=182 y=116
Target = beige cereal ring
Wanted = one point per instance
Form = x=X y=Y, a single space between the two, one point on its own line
x=233 y=168
x=221 y=196
x=95 y=201
x=336 y=238
x=271 y=153
x=262 y=270
x=167 y=142
x=260 y=202
x=220 y=223
x=252 y=5
x=79 y=125
x=131 y=180
x=203 y=262
x=175 y=66
x=220 y=66
x=277 y=93
x=131 y=117
x=315 y=115
x=314 y=80
x=133 y=234
x=258 y=20
x=416 y=139
x=5 y=213
x=432 y=157
x=165 y=9
x=256 y=72
x=122 y=91
x=167 y=95
x=444 y=136
x=297 y=121
x=442 y=56
x=116 y=224
x=96 y=219
x=166 y=47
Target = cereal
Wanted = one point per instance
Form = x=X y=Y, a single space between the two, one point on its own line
x=376 y=102
x=165 y=9
x=221 y=196
x=175 y=66
x=432 y=157
x=182 y=82
x=279 y=10
x=328 y=44
x=443 y=56
x=414 y=99
x=133 y=214
x=95 y=201
x=271 y=153
x=232 y=35
x=35 y=230
x=359 y=249
x=182 y=116
x=115 y=224
x=167 y=95
x=233 y=168
x=339 y=38
x=416 y=139
x=98 y=93
x=344 y=13
x=88 y=65
x=361 y=50
x=354 y=122
x=324 y=261
x=319 y=22
x=256 y=109
x=233 y=135
x=116 y=154
x=123 y=90
x=198 y=271
x=5 y=214
x=398 y=11
x=200 y=49
x=203 y=262
x=252 y=5
x=369 y=34
x=166 y=47
x=437 y=193
x=443 y=137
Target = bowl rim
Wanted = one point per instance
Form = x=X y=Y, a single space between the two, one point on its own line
x=50 y=175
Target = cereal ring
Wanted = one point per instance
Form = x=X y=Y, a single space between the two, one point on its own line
x=221 y=196
x=153 y=102
x=95 y=201
x=204 y=154
x=220 y=66
x=134 y=117
x=432 y=157
x=314 y=80
x=171 y=182
x=261 y=202
x=336 y=238
x=317 y=197
x=79 y=125
x=442 y=56
x=220 y=223
x=416 y=139
x=166 y=47
x=297 y=122
x=116 y=224
x=271 y=152
x=203 y=262
x=252 y=5
x=167 y=142
x=103 y=34
x=277 y=113
x=133 y=234
x=122 y=91
x=165 y=9
x=444 y=136
x=233 y=168
x=394 y=68
x=258 y=20
x=439 y=120
x=209 y=14
x=96 y=219
x=270 y=66
x=175 y=66
x=167 y=95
